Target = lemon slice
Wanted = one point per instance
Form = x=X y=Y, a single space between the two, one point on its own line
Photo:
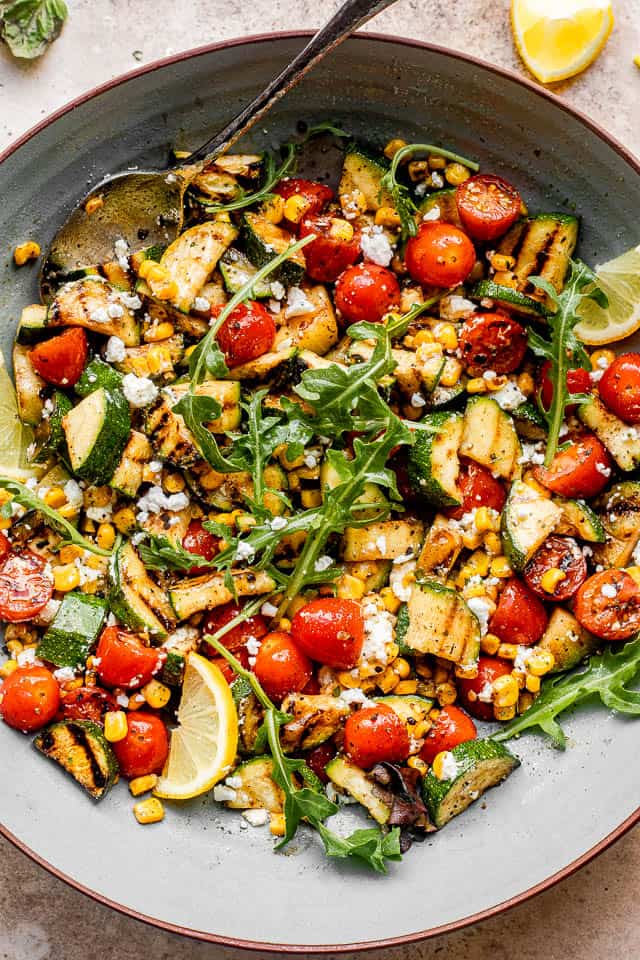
x=15 y=437
x=204 y=744
x=559 y=38
x=620 y=280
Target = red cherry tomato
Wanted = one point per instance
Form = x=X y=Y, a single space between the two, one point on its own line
x=366 y=292
x=578 y=381
x=375 y=734
x=582 y=470
x=29 y=698
x=5 y=547
x=326 y=257
x=200 y=541
x=238 y=636
x=608 y=605
x=226 y=669
x=247 y=333
x=85 y=703
x=317 y=196
x=519 y=616
x=477 y=694
x=319 y=757
x=492 y=341
x=281 y=667
x=62 y=359
x=330 y=631
x=561 y=553
x=25 y=590
x=452 y=727
x=487 y=206
x=440 y=255
x=145 y=747
x=479 y=488
x=619 y=387
x=124 y=661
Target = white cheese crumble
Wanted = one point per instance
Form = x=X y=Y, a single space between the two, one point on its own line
x=480 y=607
x=131 y=300
x=121 y=250
x=139 y=391
x=417 y=400
x=100 y=514
x=201 y=304
x=48 y=613
x=155 y=500
x=268 y=609
x=608 y=590
x=437 y=180
x=27 y=658
x=182 y=637
x=455 y=307
x=115 y=311
x=244 y=552
x=355 y=697
x=298 y=303
x=222 y=793
x=122 y=700
x=381 y=544
x=73 y=493
x=256 y=818
x=64 y=674
x=400 y=579
x=603 y=469
x=378 y=630
x=278 y=523
x=253 y=645
x=449 y=767
x=278 y=291
x=509 y=397
x=433 y=214
x=155 y=466
x=376 y=247
x=115 y=351
x=322 y=563
x=532 y=453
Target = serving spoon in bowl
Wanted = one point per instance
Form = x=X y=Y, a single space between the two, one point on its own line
x=145 y=207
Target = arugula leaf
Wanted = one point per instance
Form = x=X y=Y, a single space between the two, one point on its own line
x=29 y=26
x=159 y=553
x=563 y=349
x=605 y=675
x=272 y=175
x=30 y=500
x=372 y=846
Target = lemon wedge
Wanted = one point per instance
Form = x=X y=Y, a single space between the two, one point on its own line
x=559 y=38
x=204 y=744
x=620 y=280
x=15 y=437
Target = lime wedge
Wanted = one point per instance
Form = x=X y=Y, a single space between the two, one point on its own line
x=15 y=437
x=620 y=280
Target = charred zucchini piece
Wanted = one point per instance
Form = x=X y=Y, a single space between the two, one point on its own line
x=542 y=247
x=80 y=748
x=192 y=257
x=441 y=623
x=387 y=540
x=567 y=640
x=73 y=631
x=433 y=459
x=90 y=303
x=136 y=454
x=264 y=240
x=202 y=593
x=167 y=431
x=489 y=437
x=354 y=781
x=30 y=387
x=255 y=787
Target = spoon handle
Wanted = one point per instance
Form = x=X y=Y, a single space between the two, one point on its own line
x=351 y=15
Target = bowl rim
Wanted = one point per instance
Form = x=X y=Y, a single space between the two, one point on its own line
x=361 y=946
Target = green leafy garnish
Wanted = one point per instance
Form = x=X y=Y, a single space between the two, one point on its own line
x=605 y=675
x=30 y=500
x=563 y=349
x=159 y=553
x=29 y=26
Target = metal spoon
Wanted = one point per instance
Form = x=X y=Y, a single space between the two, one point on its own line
x=145 y=207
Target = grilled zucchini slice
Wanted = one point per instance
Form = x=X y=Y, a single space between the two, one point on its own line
x=441 y=623
x=542 y=247
x=567 y=640
x=74 y=630
x=489 y=437
x=387 y=540
x=192 y=257
x=354 y=781
x=363 y=173
x=80 y=748
x=132 y=594
x=89 y=303
x=433 y=459
x=255 y=787
x=202 y=593
x=30 y=387
x=167 y=431
x=264 y=240
x=527 y=520
x=128 y=476
x=621 y=440
x=97 y=431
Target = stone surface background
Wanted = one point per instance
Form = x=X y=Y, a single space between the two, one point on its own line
x=594 y=912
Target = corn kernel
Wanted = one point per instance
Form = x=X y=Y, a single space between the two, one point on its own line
x=508 y=650
x=486 y=520
x=477 y=385
x=346 y=680
x=423 y=336
x=446 y=693
x=602 y=358
x=124 y=519
x=273 y=208
x=525 y=700
x=466 y=671
x=402 y=667
x=393 y=146
x=540 y=662
x=310 y=498
x=93 y=204
x=551 y=578
x=532 y=683
x=436 y=162
x=25 y=252
x=106 y=536
x=420 y=729
x=387 y=217
x=8 y=668
x=159 y=331
x=285 y=624
x=387 y=681
x=424 y=351
x=156 y=694
x=526 y=384
x=341 y=230
x=55 y=497
x=456 y=173
x=501 y=261
x=94 y=561
x=69 y=511
x=451 y=372
x=505 y=691
x=500 y=567
x=406 y=687
x=471 y=540
x=69 y=553
x=166 y=291
x=393 y=650
x=445 y=333
x=504 y=712
x=115 y=725
x=416 y=763
x=417 y=170
x=350 y=587
x=173 y=482
x=489 y=644
x=506 y=279
x=140 y=785
x=14 y=647
x=391 y=602
x=477 y=590
x=66 y=578
x=148 y=811
x=635 y=573
x=295 y=207
x=277 y=824
x=438 y=765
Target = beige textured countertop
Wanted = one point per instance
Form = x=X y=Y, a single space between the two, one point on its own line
x=595 y=912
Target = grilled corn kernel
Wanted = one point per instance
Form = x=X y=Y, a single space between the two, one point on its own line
x=446 y=693
x=526 y=384
x=350 y=588
x=466 y=671
x=387 y=681
x=417 y=170
x=420 y=729
x=445 y=333
x=439 y=764
x=93 y=204
x=436 y=162
x=106 y=536
x=124 y=519
x=406 y=687
x=635 y=573
x=156 y=694
x=310 y=498
x=489 y=644
x=173 y=482
x=346 y=680
x=500 y=567
x=423 y=336
x=295 y=207
x=277 y=824
x=148 y=811
x=416 y=763
x=531 y=481
x=602 y=358
x=273 y=209
x=508 y=650
x=166 y=291
x=140 y=785
x=55 y=497
x=391 y=602
x=393 y=650
x=532 y=683
x=69 y=511
x=151 y=271
x=505 y=691
x=525 y=700
x=393 y=146
x=501 y=261
x=387 y=217
x=402 y=667
x=477 y=385
x=341 y=230
x=504 y=712
x=486 y=520
x=115 y=725
x=285 y=624
x=492 y=544
x=66 y=578
x=159 y=331
x=451 y=372
x=424 y=351
x=540 y=662
x=456 y=173
x=506 y=279
x=476 y=590
x=471 y=540
x=496 y=383
x=69 y=553
x=7 y=668
x=26 y=251
x=14 y=647
x=551 y=578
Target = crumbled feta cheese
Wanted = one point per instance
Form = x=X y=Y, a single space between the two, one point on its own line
x=381 y=544
x=253 y=646
x=244 y=552
x=139 y=536
x=278 y=290
x=417 y=400
x=376 y=247
x=122 y=700
x=322 y=564
x=486 y=693
x=401 y=579
x=27 y=658
x=596 y=376
x=449 y=767
x=73 y=493
x=310 y=461
x=100 y=514
x=420 y=190
x=155 y=466
x=433 y=213
x=155 y=500
x=115 y=311
x=608 y=590
x=256 y=818
x=115 y=351
x=268 y=609
x=182 y=637
x=522 y=658
x=47 y=409
x=378 y=629
x=532 y=453
x=131 y=300
x=48 y=613
x=404 y=557
x=222 y=793
x=99 y=315
x=355 y=697
x=234 y=782
x=481 y=608
x=139 y=391
x=509 y=397
x=274 y=306
x=64 y=674
x=489 y=375
x=331 y=792
x=31 y=483
x=298 y=303
x=201 y=304
x=121 y=249
x=278 y=523
x=455 y=307
x=603 y=469
x=437 y=180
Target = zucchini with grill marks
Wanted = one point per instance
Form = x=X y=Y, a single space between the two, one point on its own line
x=387 y=540
x=255 y=787
x=31 y=327
x=362 y=173
x=80 y=748
x=128 y=582
x=90 y=303
x=489 y=437
x=316 y=330
x=445 y=201
x=441 y=623
x=167 y=431
x=73 y=631
x=433 y=459
x=542 y=247
x=98 y=374
x=154 y=360
x=237 y=270
x=128 y=476
x=621 y=440
x=508 y=297
x=354 y=781
x=579 y=520
x=527 y=520
x=441 y=548
x=314 y=718
x=202 y=593
x=619 y=510
x=49 y=435
x=264 y=240
x=567 y=640
x=97 y=431
x=30 y=387
x=192 y=257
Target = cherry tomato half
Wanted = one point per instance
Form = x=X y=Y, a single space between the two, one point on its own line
x=330 y=631
x=238 y=636
x=608 y=605
x=29 y=698
x=477 y=694
x=145 y=747
x=578 y=381
x=492 y=341
x=281 y=667
x=519 y=616
x=487 y=206
x=452 y=727
x=200 y=541
x=326 y=257
x=25 y=590
x=124 y=661
x=479 y=488
x=5 y=547
x=317 y=196
x=226 y=669
x=561 y=553
x=319 y=757
x=85 y=703
x=366 y=292
x=375 y=734
x=440 y=255
x=619 y=387
x=61 y=360
x=581 y=470
x=247 y=333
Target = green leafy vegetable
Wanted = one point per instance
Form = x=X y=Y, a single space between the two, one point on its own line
x=605 y=675
x=159 y=553
x=563 y=349
x=29 y=26
x=30 y=500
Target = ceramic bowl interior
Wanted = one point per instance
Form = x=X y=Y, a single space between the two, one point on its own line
x=200 y=871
